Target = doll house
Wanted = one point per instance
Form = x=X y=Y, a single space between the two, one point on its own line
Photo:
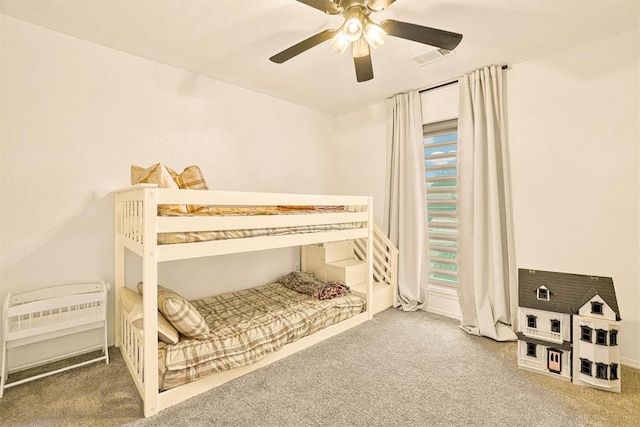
x=568 y=327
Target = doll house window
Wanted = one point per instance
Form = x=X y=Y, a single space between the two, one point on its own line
x=555 y=325
x=531 y=321
x=601 y=337
x=613 y=371
x=601 y=371
x=585 y=333
x=597 y=307
x=531 y=349
x=613 y=337
x=585 y=366
x=543 y=293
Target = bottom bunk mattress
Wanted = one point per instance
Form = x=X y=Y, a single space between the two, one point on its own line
x=245 y=326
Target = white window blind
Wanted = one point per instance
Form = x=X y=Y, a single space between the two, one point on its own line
x=441 y=181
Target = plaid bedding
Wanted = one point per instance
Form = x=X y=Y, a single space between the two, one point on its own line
x=205 y=236
x=247 y=325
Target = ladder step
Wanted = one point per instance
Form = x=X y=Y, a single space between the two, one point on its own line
x=333 y=251
x=350 y=271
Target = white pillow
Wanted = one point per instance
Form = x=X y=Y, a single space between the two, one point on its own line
x=131 y=300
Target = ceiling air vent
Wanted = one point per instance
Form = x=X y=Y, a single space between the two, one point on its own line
x=431 y=56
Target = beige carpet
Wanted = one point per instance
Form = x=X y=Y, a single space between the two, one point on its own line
x=93 y=395
x=593 y=406
x=399 y=369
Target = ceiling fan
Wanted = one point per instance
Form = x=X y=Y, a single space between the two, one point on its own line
x=360 y=33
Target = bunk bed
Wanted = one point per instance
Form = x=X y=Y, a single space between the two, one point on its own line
x=236 y=222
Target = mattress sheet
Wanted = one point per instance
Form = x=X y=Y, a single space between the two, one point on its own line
x=205 y=236
x=246 y=326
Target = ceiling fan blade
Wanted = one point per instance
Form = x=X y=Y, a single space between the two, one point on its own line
x=364 y=68
x=418 y=33
x=378 y=5
x=304 y=45
x=326 y=6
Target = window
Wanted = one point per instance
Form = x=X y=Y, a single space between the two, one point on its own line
x=613 y=372
x=543 y=293
x=555 y=326
x=441 y=182
x=585 y=366
x=613 y=337
x=531 y=349
x=585 y=333
x=531 y=321
x=601 y=371
x=596 y=307
x=601 y=337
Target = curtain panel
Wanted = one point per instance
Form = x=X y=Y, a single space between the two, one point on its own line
x=486 y=262
x=405 y=210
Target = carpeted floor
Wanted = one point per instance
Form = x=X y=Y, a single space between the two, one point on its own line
x=402 y=369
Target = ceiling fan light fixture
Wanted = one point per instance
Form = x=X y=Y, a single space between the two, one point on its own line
x=362 y=34
x=374 y=34
x=360 y=48
x=339 y=42
x=352 y=27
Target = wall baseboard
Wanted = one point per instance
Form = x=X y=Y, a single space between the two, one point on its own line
x=632 y=363
x=443 y=300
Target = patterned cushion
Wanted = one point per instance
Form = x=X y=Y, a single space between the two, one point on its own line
x=180 y=313
x=157 y=174
x=132 y=300
x=191 y=178
x=308 y=283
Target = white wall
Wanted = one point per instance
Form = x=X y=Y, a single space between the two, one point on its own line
x=439 y=104
x=76 y=115
x=574 y=137
x=360 y=148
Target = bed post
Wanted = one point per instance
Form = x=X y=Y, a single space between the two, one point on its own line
x=150 y=302
x=370 y=244
x=118 y=260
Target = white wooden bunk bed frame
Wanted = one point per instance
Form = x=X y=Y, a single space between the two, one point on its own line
x=137 y=225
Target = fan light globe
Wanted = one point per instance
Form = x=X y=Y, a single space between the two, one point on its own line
x=339 y=42
x=352 y=29
x=360 y=48
x=374 y=34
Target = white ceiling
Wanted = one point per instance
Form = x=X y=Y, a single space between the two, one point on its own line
x=232 y=40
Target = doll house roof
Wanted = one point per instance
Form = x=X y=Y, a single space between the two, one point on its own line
x=566 y=292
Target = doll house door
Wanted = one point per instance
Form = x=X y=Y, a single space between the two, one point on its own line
x=554 y=360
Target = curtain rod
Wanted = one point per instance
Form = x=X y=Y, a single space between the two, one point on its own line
x=504 y=67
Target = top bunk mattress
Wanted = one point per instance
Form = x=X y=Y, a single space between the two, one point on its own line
x=246 y=326
x=210 y=235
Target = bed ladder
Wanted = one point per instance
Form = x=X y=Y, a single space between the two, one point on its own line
x=345 y=261
x=385 y=268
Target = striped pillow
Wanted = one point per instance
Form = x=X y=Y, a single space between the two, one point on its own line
x=131 y=300
x=180 y=313
x=191 y=178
